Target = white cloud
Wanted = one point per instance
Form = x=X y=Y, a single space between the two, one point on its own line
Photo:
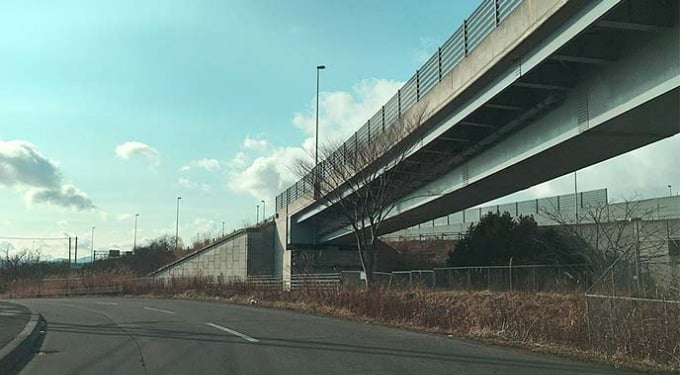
x=203 y=225
x=210 y=165
x=124 y=217
x=342 y=113
x=103 y=216
x=189 y=184
x=65 y=196
x=129 y=150
x=21 y=163
x=266 y=176
x=263 y=170
x=256 y=144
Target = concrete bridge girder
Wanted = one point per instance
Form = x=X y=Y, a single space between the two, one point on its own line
x=606 y=107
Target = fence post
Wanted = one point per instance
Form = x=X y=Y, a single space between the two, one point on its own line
x=488 y=278
x=439 y=62
x=418 y=85
x=383 y=118
x=465 y=36
x=510 y=273
x=497 y=13
x=399 y=102
x=469 y=280
x=368 y=127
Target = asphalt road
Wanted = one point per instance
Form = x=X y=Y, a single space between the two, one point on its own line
x=13 y=319
x=140 y=336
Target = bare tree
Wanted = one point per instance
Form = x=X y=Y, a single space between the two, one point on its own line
x=626 y=231
x=361 y=180
x=14 y=266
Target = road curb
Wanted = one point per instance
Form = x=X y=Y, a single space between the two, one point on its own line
x=16 y=354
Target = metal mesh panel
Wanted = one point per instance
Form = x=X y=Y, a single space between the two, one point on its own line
x=391 y=111
x=429 y=75
x=506 y=7
x=481 y=23
x=453 y=51
x=526 y=208
x=409 y=94
x=472 y=215
x=456 y=217
x=509 y=208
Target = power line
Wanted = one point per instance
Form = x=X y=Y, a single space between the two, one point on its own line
x=35 y=238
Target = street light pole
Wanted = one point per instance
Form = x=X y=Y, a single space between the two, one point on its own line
x=316 y=134
x=264 y=215
x=223 y=229
x=177 y=224
x=134 y=241
x=670 y=190
x=92 y=246
x=257 y=215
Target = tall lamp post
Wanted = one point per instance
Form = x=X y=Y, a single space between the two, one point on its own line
x=257 y=215
x=264 y=215
x=177 y=224
x=670 y=190
x=316 y=135
x=92 y=246
x=134 y=241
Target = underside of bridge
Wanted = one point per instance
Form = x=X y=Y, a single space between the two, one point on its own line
x=611 y=88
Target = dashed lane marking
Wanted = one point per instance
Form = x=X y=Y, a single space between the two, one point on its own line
x=160 y=310
x=235 y=333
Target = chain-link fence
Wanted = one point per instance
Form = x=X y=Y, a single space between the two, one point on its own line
x=635 y=308
x=526 y=278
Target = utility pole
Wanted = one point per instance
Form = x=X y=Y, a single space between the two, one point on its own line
x=69 y=252
x=177 y=224
x=134 y=241
x=92 y=246
x=75 y=258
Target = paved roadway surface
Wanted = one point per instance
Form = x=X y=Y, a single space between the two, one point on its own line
x=13 y=319
x=140 y=336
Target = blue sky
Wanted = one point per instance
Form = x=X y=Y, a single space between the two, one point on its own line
x=111 y=108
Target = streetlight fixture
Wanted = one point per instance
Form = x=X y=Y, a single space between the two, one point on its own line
x=316 y=134
x=177 y=224
x=670 y=190
x=92 y=246
x=257 y=215
x=264 y=215
x=134 y=241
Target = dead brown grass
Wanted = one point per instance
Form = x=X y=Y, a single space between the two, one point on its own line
x=553 y=323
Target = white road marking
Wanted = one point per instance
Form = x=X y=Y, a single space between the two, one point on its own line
x=10 y=312
x=160 y=310
x=106 y=303
x=235 y=333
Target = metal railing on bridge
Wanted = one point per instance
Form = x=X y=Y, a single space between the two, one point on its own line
x=478 y=26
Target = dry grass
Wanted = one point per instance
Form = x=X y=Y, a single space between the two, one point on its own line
x=548 y=322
